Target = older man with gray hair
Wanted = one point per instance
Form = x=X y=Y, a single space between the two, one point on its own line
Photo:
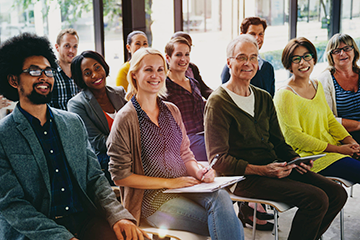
x=241 y=126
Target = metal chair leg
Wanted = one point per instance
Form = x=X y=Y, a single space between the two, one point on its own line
x=254 y=222
x=276 y=213
x=342 y=224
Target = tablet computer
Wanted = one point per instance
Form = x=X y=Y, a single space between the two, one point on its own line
x=306 y=159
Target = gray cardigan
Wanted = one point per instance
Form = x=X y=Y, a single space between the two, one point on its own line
x=87 y=107
x=25 y=195
x=329 y=89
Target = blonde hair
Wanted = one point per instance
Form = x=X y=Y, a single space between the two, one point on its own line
x=135 y=66
x=334 y=43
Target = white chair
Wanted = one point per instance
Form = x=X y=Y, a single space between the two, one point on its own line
x=165 y=234
x=344 y=183
x=278 y=207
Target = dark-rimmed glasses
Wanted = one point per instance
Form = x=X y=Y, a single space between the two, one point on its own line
x=337 y=51
x=36 y=71
x=297 y=59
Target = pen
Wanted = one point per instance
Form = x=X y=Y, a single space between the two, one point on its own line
x=210 y=166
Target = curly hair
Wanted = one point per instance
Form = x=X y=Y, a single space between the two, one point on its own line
x=13 y=53
x=76 y=72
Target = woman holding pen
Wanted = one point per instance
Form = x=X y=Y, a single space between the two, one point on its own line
x=149 y=152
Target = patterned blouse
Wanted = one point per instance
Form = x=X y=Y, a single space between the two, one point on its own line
x=160 y=154
x=190 y=104
x=347 y=102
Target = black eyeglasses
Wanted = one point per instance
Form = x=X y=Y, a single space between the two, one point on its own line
x=36 y=71
x=297 y=59
x=337 y=51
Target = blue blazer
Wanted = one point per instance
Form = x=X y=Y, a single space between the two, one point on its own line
x=87 y=107
x=25 y=196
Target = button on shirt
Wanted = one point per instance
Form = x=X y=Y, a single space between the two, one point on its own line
x=64 y=199
x=190 y=104
x=160 y=154
x=64 y=89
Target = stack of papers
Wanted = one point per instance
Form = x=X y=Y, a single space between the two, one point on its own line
x=219 y=182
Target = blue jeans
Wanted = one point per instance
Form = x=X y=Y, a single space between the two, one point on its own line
x=197 y=146
x=202 y=213
x=104 y=159
x=347 y=168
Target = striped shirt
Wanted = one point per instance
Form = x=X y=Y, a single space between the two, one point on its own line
x=160 y=154
x=347 y=102
x=64 y=89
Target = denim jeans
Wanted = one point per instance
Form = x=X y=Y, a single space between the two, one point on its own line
x=104 y=159
x=202 y=213
x=347 y=168
x=197 y=146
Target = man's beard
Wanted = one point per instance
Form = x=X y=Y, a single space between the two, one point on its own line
x=38 y=98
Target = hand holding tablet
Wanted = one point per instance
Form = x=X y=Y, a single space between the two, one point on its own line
x=306 y=159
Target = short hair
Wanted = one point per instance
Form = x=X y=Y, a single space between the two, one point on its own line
x=335 y=42
x=240 y=39
x=134 y=67
x=184 y=35
x=76 y=72
x=170 y=46
x=70 y=31
x=13 y=54
x=251 y=21
x=289 y=49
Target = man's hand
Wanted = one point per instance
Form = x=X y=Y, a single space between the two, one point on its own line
x=274 y=170
x=125 y=229
x=278 y=170
x=304 y=167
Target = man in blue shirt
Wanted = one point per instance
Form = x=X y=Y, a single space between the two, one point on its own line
x=65 y=88
x=265 y=77
x=52 y=186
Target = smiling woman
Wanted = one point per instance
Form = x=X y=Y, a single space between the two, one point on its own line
x=307 y=122
x=185 y=93
x=149 y=152
x=97 y=103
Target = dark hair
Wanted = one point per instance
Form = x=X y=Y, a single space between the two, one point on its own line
x=184 y=35
x=251 y=21
x=129 y=39
x=13 y=53
x=170 y=46
x=289 y=49
x=76 y=72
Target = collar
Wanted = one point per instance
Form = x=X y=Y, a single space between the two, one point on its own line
x=31 y=118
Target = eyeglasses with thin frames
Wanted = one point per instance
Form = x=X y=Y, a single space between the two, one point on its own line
x=337 y=51
x=244 y=58
x=36 y=72
x=297 y=59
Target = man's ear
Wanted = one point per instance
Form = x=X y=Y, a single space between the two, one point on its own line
x=13 y=81
x=57 y=47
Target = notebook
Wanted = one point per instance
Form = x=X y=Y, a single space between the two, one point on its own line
x=219 y=182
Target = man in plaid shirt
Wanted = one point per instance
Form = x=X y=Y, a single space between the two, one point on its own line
x=65 y=87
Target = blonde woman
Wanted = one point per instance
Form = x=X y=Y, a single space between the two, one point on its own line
x=149 y=152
